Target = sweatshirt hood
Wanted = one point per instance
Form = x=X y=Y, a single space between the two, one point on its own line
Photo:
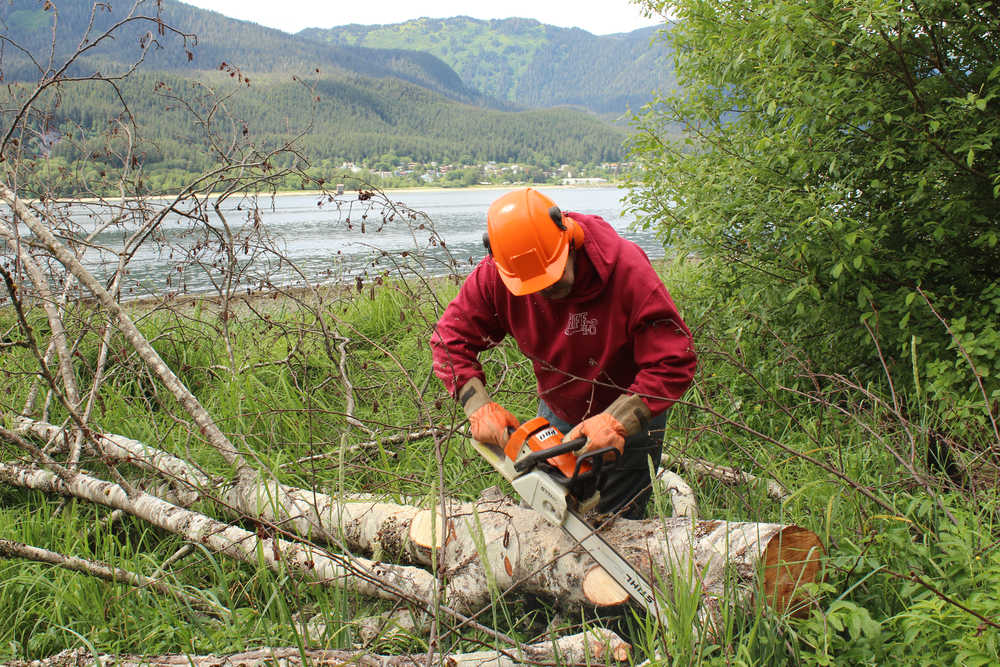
x=595 y=260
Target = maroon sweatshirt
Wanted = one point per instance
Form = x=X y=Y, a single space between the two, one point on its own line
x=618 y=330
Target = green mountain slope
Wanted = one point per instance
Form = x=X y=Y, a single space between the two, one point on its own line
x=339 y=102
x=526 y=62
x=214 y=39
x=332 y=120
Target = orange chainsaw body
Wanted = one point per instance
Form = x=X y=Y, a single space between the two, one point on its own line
x=537 y=434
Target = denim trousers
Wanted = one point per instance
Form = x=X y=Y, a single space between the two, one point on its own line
x=626 y=488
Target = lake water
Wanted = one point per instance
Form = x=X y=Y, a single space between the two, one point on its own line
x=324 y=241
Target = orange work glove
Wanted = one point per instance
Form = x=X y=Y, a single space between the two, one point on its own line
x=601 y=430
x=490 y=424
x=488 y=420
x=627 y=416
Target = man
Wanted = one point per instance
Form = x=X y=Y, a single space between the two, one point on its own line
x=609 y=349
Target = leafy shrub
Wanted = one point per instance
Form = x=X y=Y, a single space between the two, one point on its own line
x=839 y=170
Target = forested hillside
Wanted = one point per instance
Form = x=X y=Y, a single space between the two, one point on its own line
x=332 y=119
x=529 y=63
x=211 y=39
x=202 y=73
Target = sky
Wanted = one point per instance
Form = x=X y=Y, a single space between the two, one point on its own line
x=600 y=17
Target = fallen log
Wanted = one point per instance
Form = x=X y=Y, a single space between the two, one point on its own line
x=494 y=541
x=363 y=576
x=523 y=550
x=598 y=646
x=725 y=474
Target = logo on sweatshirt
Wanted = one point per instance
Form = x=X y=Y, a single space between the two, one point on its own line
x=579 y=323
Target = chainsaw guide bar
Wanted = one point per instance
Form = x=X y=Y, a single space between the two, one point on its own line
x=547 y=490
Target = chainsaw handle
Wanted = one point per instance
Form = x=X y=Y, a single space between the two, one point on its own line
x=529 y=461
x=596 y=458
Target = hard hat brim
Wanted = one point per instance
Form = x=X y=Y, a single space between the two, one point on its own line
x=553 y=272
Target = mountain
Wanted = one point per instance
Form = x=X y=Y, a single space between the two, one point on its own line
x=528 y=63
x=209 y=40
x=338 y=103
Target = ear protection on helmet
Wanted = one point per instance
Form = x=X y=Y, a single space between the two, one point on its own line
x=564 y=223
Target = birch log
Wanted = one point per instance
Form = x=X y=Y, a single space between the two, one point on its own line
x=495 y=540
x=120 y=449
x=680 y=493
x=595 y=647
x=367 y=577
x=724 y=474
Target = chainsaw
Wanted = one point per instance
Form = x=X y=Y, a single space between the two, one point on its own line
x=562 y=487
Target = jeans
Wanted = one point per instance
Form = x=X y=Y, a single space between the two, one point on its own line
x=626 y=488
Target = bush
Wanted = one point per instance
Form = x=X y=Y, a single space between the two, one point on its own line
x=839 y=170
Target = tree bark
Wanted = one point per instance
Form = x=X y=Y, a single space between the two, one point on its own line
x=595 y=647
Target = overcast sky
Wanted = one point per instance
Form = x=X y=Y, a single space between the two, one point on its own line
x=600 y=17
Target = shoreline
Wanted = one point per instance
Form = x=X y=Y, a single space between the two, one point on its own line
x=320 y=193
x=438 y=188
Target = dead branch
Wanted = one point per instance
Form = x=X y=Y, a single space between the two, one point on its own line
x=724 y=474
x=598 y=646
x=681 y=496
x=183 y=395
x=204 y=603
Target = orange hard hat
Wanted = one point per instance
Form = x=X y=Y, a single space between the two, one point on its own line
x=529 y=239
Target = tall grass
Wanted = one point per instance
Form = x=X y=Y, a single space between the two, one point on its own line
x=912 y=564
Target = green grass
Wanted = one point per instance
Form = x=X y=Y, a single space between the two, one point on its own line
x=898 y=570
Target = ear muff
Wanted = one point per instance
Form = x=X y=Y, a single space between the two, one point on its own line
x=566 y=223
x=486 y=243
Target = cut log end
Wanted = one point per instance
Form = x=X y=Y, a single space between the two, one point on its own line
x=428 y=531
x=601 y=590
x=791 y=560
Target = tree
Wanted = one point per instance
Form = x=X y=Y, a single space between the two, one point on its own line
x=77 y=352
x=839 y=169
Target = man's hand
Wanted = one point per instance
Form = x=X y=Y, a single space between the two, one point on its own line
x=491 y=424
x=488 y=420
x=601 y=431
x=627 y=416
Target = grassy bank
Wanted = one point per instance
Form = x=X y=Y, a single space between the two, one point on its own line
x=912 y=564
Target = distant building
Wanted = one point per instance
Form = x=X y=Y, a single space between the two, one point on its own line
x=584 y=181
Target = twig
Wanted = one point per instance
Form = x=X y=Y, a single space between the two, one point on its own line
x=369 y=444
x=917 y=579
x=724 y=474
